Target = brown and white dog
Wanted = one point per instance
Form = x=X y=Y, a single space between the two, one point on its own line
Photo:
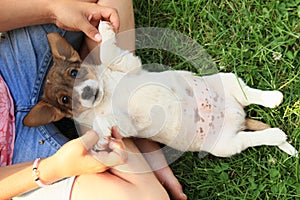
x=176 y=108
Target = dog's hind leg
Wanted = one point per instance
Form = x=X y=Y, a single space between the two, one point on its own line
x=228 y=146
x=246 y=95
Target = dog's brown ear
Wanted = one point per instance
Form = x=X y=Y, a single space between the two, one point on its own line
x=61 y=49
x=42 y=113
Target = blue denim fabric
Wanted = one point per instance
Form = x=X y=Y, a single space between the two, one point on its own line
x=25 y=58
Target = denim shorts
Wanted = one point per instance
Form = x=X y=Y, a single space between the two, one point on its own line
x=25 y=59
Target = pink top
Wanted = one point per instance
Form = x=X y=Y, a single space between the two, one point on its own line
x=7 y=125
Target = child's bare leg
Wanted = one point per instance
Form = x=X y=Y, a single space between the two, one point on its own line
x=156 y=159
x=115 y=184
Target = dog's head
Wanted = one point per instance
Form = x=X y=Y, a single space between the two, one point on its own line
x=56 y=101
x=60 y=99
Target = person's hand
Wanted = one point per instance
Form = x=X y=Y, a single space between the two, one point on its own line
x=74 y=158
x=83 y=16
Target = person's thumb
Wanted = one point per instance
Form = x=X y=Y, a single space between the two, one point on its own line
x=89 y=139
x=91 y=31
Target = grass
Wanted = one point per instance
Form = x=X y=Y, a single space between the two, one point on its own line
x=242 y=36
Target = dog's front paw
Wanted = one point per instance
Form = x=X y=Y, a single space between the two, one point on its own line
x=272 y=99
x=103 y=128
x=101 y=145
x=106 y=30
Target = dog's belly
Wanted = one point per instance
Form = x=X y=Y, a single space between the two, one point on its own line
x=175 y=108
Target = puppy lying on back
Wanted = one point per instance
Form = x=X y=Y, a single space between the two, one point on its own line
x=176 y=108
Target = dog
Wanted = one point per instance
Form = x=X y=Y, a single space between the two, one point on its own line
x=176 y=108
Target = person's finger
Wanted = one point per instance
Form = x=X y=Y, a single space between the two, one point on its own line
x=89 y=139
x=116 y=144
x=113 y=158
x=87 y=26
x=121 y=153
x=111 y=15
x=118 y=147
x=115 y=132
x=90 y=31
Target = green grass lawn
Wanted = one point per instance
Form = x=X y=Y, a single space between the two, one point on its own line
x=243 y=37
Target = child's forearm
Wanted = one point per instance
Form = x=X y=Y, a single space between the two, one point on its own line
x=72 y=159
x=17 y=179
x=16 y=14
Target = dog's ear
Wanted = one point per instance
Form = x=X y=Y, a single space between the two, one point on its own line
x=61 y=49
x=42 y=113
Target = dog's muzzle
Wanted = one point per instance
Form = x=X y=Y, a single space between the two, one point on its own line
x=90 y=93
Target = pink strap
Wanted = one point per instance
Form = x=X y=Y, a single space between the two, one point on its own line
x=36 y=173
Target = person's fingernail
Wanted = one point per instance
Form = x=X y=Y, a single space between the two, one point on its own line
x=90 y=17
x=98 y=37
x=116 y=128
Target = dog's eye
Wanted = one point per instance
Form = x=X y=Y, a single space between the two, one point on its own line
x=65 y=99
x=74 y=72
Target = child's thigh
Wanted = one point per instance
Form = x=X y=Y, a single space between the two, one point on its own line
x=110 y=186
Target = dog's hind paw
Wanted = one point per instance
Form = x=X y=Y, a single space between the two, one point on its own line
x=106 y=30
x=289 y=149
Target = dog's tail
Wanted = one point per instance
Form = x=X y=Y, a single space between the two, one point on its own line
x=255 y=125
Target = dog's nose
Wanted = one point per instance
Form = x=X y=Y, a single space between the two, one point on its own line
x=87 y=93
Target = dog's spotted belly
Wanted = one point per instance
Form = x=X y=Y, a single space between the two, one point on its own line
x=180 y=110
x=205 y=125
x=209 y=115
